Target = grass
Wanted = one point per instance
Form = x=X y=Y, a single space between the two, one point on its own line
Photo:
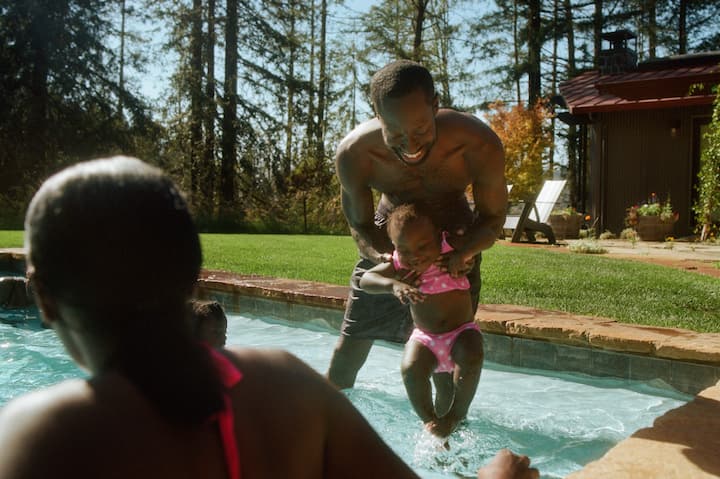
x=627 y=291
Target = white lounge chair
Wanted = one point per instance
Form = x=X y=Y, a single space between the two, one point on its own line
x=535 y=213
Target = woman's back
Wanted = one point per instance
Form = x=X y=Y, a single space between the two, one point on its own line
x=289 y=422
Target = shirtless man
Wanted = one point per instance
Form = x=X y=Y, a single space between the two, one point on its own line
x=413 y=151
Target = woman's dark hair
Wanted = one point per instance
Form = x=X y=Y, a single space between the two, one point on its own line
x=400 y=78
x=114 y=239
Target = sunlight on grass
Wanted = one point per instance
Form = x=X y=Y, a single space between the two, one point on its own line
x=627 y=291
x=11 y=239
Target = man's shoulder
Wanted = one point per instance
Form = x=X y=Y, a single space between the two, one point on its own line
x=460 y=121
x=466 y=128
x=363 y=137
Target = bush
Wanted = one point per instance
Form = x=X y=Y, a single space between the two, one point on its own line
x=587 y=247
x=629 y=234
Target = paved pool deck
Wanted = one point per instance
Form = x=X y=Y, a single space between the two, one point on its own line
x=683 y=443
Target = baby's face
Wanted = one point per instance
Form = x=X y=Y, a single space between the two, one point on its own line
x=417 y=245
x=213 y=332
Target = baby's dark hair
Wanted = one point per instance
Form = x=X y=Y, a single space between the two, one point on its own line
x=206 y=311
x=406 y=214
x=399 y=78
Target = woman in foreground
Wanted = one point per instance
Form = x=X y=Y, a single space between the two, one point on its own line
x=113 y=256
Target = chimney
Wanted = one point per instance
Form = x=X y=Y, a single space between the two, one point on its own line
x=618 y=58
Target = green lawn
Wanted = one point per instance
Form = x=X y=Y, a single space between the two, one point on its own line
x=631 y=292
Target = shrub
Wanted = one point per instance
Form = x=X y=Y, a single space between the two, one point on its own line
x=587 y=247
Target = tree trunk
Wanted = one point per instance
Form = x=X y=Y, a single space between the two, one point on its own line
x=652 y=27
x=516 y=52
x=229 y=121
x=290 y=97
x=420 y=10
x=555 y=30
x=572 y=129
x=196 y=93
x=208 y=174
x=121 y=80
x=534 y=47
x=310 y=128
x=682 y=27
x=597 y=32
x=37 y=135
x=321 y=128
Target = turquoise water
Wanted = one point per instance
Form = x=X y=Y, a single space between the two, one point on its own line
x=561 y=421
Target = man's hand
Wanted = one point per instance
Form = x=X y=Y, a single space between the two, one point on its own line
x=453 y=263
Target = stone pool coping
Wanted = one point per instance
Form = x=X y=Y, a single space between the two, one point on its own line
x=509 y=320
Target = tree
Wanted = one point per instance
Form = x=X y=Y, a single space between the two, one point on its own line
x=527 y=139
x=59 y=90
x=707 y=208
x=229 y=118
x=208 y=174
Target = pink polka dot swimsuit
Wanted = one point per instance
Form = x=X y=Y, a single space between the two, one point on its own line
x=435 y=281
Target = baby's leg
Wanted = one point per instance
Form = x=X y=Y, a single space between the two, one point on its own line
x=467 y=353
x=417 y=365
x=444 y=392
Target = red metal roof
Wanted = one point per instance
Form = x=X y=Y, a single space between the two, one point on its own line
x=660 y=84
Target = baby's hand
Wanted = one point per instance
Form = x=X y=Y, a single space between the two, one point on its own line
x=407 y=293
x=408 y=276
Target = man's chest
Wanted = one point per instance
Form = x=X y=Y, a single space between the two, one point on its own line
x=437 y=175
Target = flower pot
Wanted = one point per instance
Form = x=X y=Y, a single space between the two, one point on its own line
x=565 y=226
x=652 y=228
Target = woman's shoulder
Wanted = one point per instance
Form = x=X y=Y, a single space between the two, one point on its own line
x=36 y=423
x=277 y=372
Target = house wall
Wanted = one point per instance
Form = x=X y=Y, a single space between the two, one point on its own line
x=634 y=154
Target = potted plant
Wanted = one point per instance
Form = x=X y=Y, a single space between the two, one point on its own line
x=653 y=220
x=566 y=223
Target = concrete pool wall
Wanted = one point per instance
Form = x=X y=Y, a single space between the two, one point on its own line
x=683 y=443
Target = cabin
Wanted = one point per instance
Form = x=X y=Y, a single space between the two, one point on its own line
x=640 y=128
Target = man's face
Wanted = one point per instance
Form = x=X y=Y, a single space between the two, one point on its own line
x=408 y=125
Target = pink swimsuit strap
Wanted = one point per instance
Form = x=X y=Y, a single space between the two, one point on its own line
x=230 y=376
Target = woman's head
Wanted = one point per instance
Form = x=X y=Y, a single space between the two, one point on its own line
x=414 y=235
x=112 y=235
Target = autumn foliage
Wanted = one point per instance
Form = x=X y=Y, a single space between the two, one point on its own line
x=527 y=138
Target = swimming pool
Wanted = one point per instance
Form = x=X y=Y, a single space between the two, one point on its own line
x=561 y=421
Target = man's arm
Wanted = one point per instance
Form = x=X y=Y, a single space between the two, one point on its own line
x=358 y=206
x=485 y=162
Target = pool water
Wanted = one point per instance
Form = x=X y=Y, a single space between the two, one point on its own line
x=561 y=421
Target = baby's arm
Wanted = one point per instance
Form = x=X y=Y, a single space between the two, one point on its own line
x=383 y=279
